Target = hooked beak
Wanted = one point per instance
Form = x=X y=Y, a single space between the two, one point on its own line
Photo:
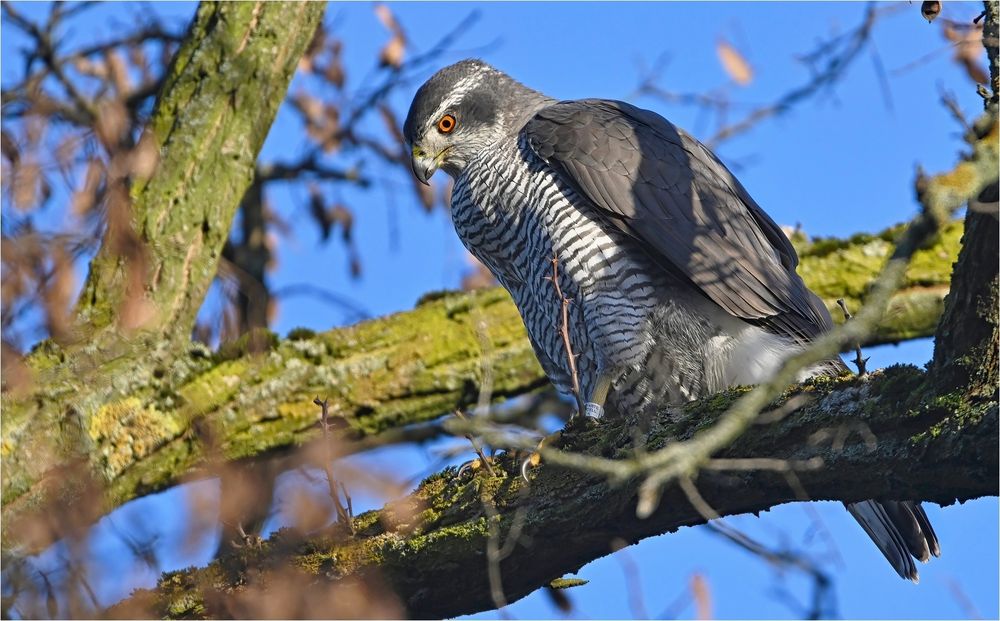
x=423 y=165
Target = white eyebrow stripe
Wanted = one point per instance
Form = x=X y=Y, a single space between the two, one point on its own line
x=463 y=86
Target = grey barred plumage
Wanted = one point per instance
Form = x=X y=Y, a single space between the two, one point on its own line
x=680 y=284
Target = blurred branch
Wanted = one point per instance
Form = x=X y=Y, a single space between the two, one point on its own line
x=823 y=595
x=46 y=52
x=186 y=209
x=828 y=63
x=308 y=166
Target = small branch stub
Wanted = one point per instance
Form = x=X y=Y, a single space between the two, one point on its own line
x=860 y=361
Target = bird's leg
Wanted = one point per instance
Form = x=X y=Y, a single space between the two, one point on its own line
x=593 y=409
x=595 y=406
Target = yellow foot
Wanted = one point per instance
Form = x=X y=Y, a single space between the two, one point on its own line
x=536 y=457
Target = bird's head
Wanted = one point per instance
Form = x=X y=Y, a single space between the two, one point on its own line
x=462 y=110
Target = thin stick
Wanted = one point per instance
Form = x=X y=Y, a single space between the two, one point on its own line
x=860 y=361
x=564 y=332
x=343 y=514
x=475 y=446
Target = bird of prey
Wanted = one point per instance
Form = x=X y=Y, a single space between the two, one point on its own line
x=681 y=285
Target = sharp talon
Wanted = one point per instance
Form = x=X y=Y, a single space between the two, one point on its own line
x=533 y=460
x=469 y=465
x=595 y=410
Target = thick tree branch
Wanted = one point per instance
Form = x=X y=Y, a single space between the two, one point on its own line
x=215 y=109
x=429 y=546
x=136 y=430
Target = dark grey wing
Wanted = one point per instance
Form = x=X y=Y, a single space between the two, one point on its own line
x=665 y=189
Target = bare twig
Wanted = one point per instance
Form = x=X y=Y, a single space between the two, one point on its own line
x=859 y=360
x=763 y=463
x=483 y=459
x=633 y=585
x=495 y=552
x=822 y=600
x=836 y=56
x=45 y=50
x=948 y=101
x=564 y=332
x=344 y=514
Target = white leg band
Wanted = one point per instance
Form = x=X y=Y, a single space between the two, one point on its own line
x=594 y=409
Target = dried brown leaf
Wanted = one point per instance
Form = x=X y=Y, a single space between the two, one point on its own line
x=137 y=56
x=331 y=128
x=85 y=198
x=308 y=61
x=307 y=511
x=385 y=15
x=355 y=264
x=310 y=107
x=95 y=69
x=334 y=70
x=341 y=215
x=734 y=64
x=702 y=596
x=119 y=72
x=144 y=157
x=392 y=54
x=968 y=49
x=65 y=153
x=9 y=147
x=26 y=184
x=292 y=594
x=58 y=293
x=112 y=124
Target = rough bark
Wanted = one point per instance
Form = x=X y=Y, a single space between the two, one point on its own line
x=429 y=547
x=134 y=430
x=216 y=107
x=214 y=111
x=965 y=351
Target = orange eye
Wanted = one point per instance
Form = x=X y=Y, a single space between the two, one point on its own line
x=446 y=124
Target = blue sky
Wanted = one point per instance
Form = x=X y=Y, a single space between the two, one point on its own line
x=841 y=163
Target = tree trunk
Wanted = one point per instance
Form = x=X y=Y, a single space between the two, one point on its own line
x=217 y=104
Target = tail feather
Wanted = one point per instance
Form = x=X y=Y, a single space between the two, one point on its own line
x=915 y=529
x=901 y=531
x=925 y=526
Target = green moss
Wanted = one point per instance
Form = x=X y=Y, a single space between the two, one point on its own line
x=901 y=384
x=256 y=341
x=300 y=334
x=836 y=268
x=124 y=432
x=958 y=414
x=567 y=583
x=435 y=296
x=213 y=388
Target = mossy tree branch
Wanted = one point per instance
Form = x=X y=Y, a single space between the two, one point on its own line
x=216 y=107
x=161 y=248
x=429 y=547
x=137 y=435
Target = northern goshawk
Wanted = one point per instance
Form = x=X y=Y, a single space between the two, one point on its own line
x=681 y=285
